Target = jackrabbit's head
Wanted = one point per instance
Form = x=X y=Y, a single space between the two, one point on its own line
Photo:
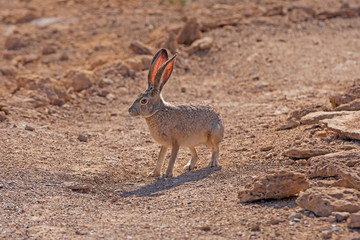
x=149 y=102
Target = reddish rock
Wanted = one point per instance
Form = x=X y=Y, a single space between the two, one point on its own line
x=276 y=185
x=190 y=32
x=323 y=200
x=304 y=153
x=78 y=80
x=354 y=220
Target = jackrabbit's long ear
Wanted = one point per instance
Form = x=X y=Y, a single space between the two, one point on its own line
x=159 y=59
x=164 y=73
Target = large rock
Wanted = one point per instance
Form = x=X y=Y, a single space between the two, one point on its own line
x=315 y=117
x=79 y=80
x=304 y=153
x=276 y=185
x=323 y=200
x=42 y=90
x=344 y=165
x=346 y=125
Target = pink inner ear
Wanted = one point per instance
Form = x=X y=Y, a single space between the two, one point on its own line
x=158 y=62
x=167 y=72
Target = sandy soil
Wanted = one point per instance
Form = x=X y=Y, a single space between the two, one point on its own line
x=260 y=68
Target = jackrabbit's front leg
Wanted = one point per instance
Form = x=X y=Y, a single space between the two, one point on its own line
x=160 y=162
x=174 y=152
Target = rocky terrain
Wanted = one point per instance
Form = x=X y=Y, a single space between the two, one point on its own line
x=284 y=75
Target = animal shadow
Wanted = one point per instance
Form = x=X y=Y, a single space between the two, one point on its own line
x=162 y=184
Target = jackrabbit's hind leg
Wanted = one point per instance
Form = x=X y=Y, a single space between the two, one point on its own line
x=194 y=157
x=215 y=141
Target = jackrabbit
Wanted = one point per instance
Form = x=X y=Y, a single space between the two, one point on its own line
x=176 y=125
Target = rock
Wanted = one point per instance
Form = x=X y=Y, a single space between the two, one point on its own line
x=82 y=138
x=50 y=88
x=292 y=123
x=300 y=14
x=78 y=80
x=96 y=63
x=315 y=117
x=344 y=165
x=165 y=37
x=347 y=125
x=80 y=188
x=189 y=33
x=353 y=92
x=8 y=70
x=139 y=63
x=277 y=185
x=298 y=114
x=201 y=44
x=140 y=48
x=113 y=70
x=15 y=42
x=326 y=234
x=29 y=128
x=2 y=116
x=354 y=220
x=275 y=11
x=341 y=216
x=48 y=50
x=105 y=82
x=21 y=15
x=266 y=148
x=351 y=106
x=255 y=226
x=323 y=200
x=304 y=153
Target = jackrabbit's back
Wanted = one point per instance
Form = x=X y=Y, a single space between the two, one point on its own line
x=189 y=125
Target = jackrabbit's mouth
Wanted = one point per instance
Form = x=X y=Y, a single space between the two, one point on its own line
x=133 y=112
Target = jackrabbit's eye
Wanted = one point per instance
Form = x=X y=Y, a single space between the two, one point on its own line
x=143 y=101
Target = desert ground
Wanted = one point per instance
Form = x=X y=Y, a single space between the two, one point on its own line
x=74 y=164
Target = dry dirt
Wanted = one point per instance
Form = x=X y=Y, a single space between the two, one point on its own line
x=268 y=59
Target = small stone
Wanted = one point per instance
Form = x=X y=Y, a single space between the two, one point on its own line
x=327 y=234
x=205 y=228
x=140 y=48
x=255 y=226
x=183 y=90
x=302 y=162
x=82 y=138
x=29 y=128
x=266 y=148
x=292 y=123
x=80 y=188
x=341 y=216
x=275 y=221
x=354 y=220
x=201 y=44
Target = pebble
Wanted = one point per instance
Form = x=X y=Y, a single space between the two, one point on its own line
x=82 y=138
x=326 y=234
x=29 y=128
